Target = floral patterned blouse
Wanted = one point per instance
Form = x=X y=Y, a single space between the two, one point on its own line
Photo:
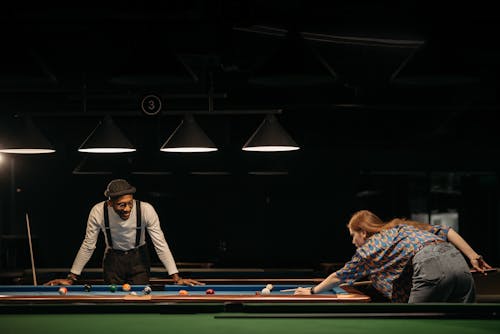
x=386 y=258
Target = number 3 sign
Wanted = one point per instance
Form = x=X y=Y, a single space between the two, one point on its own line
x=151 y=105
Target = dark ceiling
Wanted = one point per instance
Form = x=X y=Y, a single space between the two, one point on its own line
x=361 y=71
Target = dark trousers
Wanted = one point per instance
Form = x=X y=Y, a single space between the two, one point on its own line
x=133 y=267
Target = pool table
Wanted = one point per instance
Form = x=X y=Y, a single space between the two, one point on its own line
x=234 y=293
x=232 y=309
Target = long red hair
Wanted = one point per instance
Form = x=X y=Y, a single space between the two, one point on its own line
x=369 y=222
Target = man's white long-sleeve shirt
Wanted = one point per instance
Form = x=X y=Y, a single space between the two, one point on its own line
x=123 y=235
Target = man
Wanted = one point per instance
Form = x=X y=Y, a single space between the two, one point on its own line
x=124 y=221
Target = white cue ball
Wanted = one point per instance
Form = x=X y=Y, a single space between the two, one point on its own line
x=265 y=291
x=269 y=286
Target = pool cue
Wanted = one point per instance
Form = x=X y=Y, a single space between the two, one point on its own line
x=31 y=250
x=360 y=283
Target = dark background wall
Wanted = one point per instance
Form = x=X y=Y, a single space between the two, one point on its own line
x=292 y=215
x=395 y=109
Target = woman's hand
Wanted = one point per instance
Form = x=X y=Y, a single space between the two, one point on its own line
x=302 y=291
x=479 y=264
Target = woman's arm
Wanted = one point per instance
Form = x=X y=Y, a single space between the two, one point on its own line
x=476 y=260
x=326 y=284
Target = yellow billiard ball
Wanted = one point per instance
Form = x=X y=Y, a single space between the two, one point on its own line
x=183 y=292
x=126 y=287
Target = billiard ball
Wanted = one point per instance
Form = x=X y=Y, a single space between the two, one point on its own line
x=133 y=293
x=210 y=291
x=63 y=290
x=126 y=287
x=269 y=286
x=147 y=290
x=112 y=288
x=183 y=292
x=265 y=291
x=87 y=287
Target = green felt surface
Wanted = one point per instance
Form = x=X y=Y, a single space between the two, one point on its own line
x=142 y=323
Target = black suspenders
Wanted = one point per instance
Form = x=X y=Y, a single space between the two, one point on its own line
x=139 y=221
x=106 y=225
x=137 y=229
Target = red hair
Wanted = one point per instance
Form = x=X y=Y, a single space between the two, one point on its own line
x=369 y=222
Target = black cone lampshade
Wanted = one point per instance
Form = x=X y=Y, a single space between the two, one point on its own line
x=188 y=137
x=106 y=138
x=270 y=137
x=25 y=138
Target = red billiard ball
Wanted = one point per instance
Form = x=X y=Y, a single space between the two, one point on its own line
x=183 y=292
x=210 y=291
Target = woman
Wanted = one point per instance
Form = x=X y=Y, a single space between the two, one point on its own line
x=407 y=261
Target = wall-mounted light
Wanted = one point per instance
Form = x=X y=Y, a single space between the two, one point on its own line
x=188 y=137
x=270 y=137
x=106 y=138
x=25 y=138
